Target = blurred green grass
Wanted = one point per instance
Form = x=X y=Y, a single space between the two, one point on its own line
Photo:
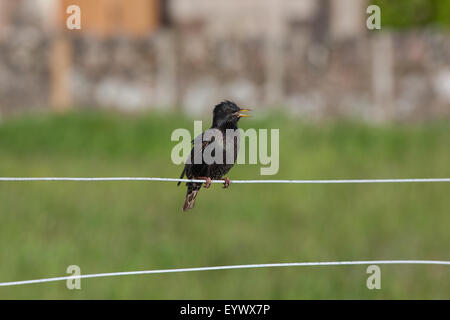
x=125 y=226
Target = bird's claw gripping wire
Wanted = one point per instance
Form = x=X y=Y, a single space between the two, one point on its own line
x=207 y=183
x=226 y=184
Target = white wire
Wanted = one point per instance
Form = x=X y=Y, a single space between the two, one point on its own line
x=248 y=266
x=222 y=181
x=244 y=266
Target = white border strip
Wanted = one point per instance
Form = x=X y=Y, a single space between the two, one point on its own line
x=222 y=181
x=244 y=266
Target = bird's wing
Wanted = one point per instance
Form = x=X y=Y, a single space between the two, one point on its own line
x=194 y=152
x=199 y=140
x=200 y=137
x=182 y=175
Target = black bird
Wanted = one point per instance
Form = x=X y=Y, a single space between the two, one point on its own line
x=225 y=119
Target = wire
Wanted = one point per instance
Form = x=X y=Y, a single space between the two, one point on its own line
x=244 y=266
x=222 y=181
x=247 y=266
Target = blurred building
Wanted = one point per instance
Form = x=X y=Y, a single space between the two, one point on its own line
x=315 y=58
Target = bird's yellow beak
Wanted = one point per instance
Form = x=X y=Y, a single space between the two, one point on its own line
x=243 y=115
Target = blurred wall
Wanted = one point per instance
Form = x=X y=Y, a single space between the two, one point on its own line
x=315 y=58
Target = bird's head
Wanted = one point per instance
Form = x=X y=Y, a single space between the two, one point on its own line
x=227 y=113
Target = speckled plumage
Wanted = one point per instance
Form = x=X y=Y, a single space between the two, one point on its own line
x=225 y=119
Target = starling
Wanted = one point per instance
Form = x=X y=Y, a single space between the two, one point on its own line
x=225 y=119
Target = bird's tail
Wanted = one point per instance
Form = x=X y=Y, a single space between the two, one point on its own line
x=191 y=194
x=181 y=177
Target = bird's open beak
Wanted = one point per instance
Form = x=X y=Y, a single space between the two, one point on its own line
x=243 y=115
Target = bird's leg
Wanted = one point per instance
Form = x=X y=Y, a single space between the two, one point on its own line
x=208 y=181
x=226 y=184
